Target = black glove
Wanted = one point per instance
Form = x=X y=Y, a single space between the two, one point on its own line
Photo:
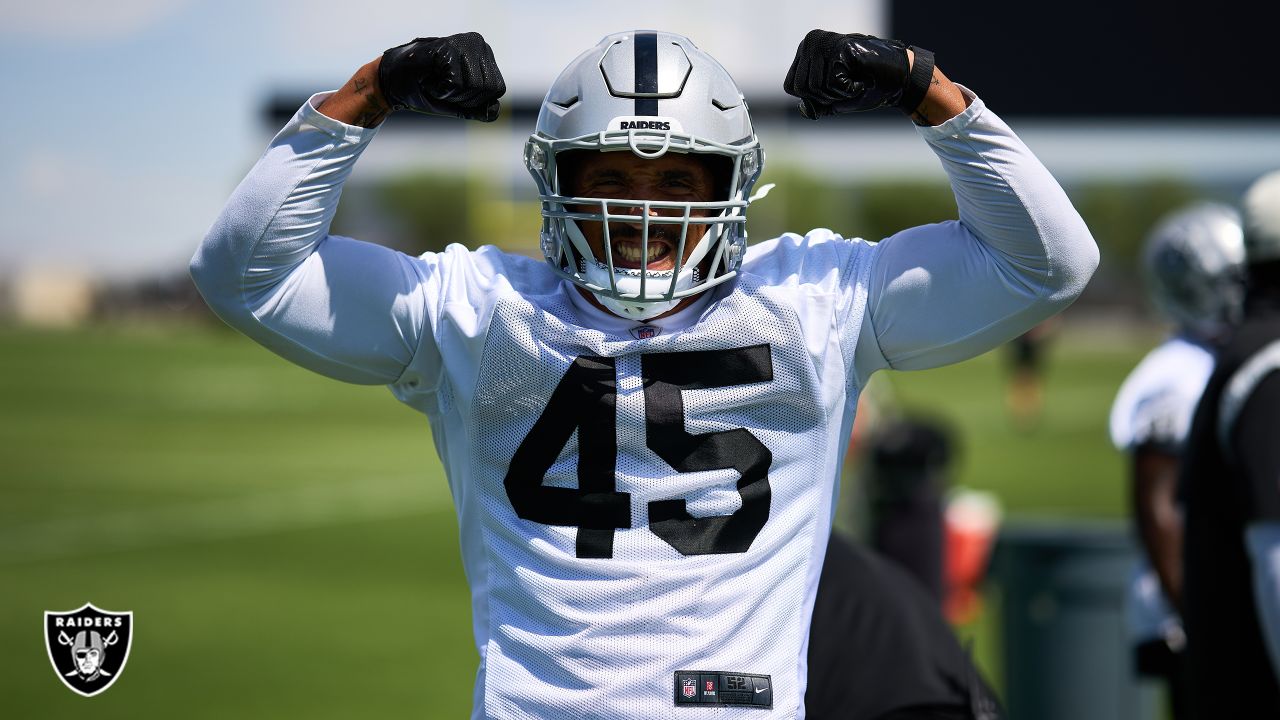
x=835 y=74
x=455 y=76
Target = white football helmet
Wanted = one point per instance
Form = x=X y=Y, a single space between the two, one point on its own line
x=1262 y=219
x=1194 y=268
x=648 y=93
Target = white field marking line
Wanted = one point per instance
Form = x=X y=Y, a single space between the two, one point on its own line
x=258 y=513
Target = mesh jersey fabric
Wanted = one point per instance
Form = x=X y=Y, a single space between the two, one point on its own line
x=604 y=636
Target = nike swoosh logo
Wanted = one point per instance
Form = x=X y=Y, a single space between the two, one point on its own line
x=760 y=690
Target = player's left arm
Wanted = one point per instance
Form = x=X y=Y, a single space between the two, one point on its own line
x=833 y=74
x=1252 y=443
x=1019 y=252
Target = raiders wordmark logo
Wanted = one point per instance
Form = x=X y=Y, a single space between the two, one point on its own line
x=88 y=647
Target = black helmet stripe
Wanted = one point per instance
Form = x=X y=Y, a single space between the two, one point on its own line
x=646 y=72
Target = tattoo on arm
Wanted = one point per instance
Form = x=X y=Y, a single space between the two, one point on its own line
x=373 y=111
x=920 y=117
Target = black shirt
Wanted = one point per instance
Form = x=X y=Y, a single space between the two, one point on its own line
x=1230 y=478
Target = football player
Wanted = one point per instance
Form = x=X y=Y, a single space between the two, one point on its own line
x=1193 y=267
x=1231 y=478
x=643 y=430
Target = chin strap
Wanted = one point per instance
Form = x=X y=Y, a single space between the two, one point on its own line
x=762 y=192
x=647 y=311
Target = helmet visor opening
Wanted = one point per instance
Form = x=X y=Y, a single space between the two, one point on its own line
x=569 y=165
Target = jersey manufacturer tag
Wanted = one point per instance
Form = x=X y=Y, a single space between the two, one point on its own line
x=701 y=687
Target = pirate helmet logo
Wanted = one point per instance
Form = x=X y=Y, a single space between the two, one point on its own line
x=88 y=647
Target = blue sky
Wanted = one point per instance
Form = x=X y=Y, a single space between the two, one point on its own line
x=132 y=120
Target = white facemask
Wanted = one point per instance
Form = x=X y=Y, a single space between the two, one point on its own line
x=657 y=283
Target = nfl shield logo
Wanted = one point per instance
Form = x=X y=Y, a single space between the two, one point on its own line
x=645 y=332
x=88 y=647
x=688 y=687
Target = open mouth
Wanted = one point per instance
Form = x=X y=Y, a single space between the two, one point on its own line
x=630 y=252
x=627 y=254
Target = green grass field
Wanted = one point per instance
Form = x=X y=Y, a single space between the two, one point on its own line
x=287 y=543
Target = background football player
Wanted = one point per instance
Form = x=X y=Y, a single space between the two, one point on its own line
x=1193 y=266
x=1231 y=478
x=643 y=431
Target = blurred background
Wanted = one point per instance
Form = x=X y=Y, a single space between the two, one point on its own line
x=286 y=543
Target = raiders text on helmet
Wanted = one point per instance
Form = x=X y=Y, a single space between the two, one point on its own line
x=648 y=93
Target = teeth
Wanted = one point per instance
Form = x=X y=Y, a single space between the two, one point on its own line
x=630 y=251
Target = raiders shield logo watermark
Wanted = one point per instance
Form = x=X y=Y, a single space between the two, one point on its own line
x=88 y=647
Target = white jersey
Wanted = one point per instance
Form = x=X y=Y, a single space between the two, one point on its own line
x=1154 y=406
x=643 y=507
x=1158 y=398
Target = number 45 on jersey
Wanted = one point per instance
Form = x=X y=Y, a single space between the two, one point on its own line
x=585 y=400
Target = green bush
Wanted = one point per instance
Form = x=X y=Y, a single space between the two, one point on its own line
x=414 y=213
x=1121 y=213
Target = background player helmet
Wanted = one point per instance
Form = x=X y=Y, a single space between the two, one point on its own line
x=648 y=93
x=1262 y=219
x=1194 y=267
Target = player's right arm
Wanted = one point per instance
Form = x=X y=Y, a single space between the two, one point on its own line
x=269 y=267
x=1154 y=489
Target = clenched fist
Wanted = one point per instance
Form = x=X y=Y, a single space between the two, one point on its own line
x=455 y=76
x=834 y=74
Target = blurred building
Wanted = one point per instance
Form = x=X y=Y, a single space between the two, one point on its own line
x=151 y=298
x=50 y=298
x=65 y=298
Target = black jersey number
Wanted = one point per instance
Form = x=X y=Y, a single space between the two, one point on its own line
x=585 y=400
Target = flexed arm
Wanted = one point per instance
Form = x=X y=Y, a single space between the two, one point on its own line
x=454 y=76
x=268 y=266
x=1020 y=252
